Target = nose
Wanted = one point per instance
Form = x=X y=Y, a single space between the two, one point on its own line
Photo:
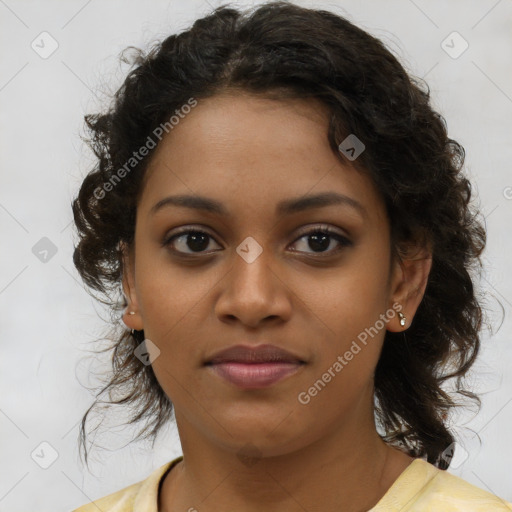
x=253 y=291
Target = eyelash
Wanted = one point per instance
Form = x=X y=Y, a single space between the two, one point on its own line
x=326 y=230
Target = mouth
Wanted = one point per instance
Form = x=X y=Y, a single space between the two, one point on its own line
x=254 y=367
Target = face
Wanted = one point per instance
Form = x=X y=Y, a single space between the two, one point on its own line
x=258 y=273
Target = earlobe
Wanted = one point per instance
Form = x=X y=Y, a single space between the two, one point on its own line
x=131 y=316
x=399 y=321
x=408 y=287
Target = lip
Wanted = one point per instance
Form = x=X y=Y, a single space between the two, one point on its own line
x=254 y=367
x=253 y=354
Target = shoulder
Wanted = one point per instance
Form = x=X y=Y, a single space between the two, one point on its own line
x=423 y=487
x=454 y=493
x=142 y=495
x=121 y=501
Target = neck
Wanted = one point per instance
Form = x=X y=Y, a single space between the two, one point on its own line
x=353 y=461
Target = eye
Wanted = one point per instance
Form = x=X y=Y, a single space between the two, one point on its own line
x=197 y=240
x=320 y=239
x=194 y=239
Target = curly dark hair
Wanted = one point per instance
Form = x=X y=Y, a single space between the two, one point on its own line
x=280 y=50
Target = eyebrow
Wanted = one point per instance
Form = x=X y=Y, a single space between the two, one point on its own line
x=286 y=207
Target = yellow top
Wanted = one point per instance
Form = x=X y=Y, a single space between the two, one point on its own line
x=421 y=487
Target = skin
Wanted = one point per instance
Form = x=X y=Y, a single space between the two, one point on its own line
x=249 y=153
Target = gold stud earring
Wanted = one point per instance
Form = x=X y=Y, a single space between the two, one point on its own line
x=402 y=318
x=131 y=313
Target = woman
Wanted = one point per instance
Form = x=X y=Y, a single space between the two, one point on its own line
x=291 y=230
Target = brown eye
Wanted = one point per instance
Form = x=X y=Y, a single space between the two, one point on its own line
x=320 y=239
x=192 y=239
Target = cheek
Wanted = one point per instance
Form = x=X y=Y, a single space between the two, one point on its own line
x=349 y=305
x=169 y=295
x=341 y=375
x=350 y=297
x=172 y=306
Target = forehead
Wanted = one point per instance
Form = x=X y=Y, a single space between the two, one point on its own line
x=251 y=153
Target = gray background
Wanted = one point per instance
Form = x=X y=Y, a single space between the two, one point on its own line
x=47 y=318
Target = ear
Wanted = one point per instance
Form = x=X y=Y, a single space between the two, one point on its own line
x=133 y=321
x=408 y=282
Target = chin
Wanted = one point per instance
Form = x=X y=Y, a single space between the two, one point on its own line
x=275 y=438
